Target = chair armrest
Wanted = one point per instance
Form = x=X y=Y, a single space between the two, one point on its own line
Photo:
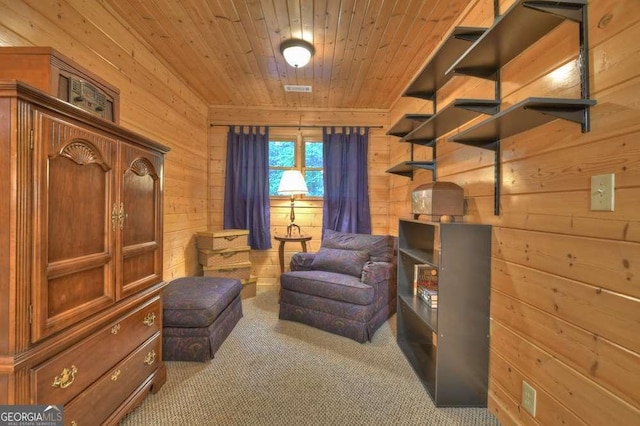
x=382 y=277
x=302 y=261
x=376 y=272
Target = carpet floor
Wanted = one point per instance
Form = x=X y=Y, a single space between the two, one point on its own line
x=274 y=372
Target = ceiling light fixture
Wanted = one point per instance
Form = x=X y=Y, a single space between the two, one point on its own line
x=296 y=52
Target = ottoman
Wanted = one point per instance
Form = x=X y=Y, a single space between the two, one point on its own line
x=198 y=315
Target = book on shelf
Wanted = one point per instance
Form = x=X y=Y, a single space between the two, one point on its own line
x=430 y=297
x=425 y=276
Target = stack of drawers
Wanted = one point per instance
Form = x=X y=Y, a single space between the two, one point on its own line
x=92 y=388
x=225 y=254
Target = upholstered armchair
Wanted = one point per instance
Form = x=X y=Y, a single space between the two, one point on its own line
x=348 y=287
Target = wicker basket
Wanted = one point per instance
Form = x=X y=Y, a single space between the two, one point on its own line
x=241 y=271
x=220 y=240
x=225 y=256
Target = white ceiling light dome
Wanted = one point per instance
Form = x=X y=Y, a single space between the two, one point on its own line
x=296 y=52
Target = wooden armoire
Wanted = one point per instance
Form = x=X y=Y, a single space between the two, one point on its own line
x=80 y=259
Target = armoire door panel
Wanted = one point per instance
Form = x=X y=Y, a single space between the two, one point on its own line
x=81 y=227
x=138 y=268
x=74 y=249
x=75 y=292
x=139 y=197
x=141 y=230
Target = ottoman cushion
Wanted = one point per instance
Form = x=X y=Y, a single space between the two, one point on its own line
x=197 y=301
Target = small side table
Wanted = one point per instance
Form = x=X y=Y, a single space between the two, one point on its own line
x=302 y=239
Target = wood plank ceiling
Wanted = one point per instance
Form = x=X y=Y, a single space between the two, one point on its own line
x=366 y=51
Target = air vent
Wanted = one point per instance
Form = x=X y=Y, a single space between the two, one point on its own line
x=297 y=88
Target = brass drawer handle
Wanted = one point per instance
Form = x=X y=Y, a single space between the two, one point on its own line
x=115 y=375
x=150 y=358
x=228 y=255
x=66 y=378
x=231 y=237
x=115 y=329
x=150 y=319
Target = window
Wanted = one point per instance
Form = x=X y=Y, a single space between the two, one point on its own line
x=288 y=153
x=282 y=156
x=313 y=173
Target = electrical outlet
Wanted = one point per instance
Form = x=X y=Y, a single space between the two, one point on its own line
x=529 y=398
x=602 y=187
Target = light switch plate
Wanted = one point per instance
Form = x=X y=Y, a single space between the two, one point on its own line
x=529 y=398
x=602 y=192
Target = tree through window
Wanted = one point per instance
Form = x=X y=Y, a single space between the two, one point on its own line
x=287 y=154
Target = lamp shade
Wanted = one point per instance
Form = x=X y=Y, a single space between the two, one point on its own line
x=297 y=53
x=292 y=182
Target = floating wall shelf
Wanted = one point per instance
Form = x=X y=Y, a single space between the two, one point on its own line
x=524 y=23
x=425 y=86
x=433 y=75
x=454 y=115
x=525 y=115
x=521 y=26
x=407 y=124
x=482 y=53
x=406 y=168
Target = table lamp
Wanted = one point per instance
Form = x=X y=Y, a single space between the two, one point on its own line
x=292 y=183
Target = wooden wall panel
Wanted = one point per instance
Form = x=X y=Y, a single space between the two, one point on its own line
x=591 y=403
x=154 y=102
x=565 y=299
x=265 y=263
x=507 y=382
x=593 y=354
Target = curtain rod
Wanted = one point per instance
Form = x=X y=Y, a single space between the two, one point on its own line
x=310 y=126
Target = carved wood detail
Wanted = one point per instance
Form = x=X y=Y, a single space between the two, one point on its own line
x=143 y=167
x=83 y=152
x=24 y=226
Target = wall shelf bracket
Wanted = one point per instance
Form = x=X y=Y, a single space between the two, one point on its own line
x=575 y=115
x=571 y=10
x=497 y=178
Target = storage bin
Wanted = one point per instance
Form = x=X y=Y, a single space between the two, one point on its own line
x=225 y=256
x=224 y=239
x=240 y=271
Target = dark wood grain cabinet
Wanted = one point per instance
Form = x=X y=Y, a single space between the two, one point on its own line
x=81 y=259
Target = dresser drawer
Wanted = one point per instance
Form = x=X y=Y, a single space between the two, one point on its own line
x=63 y=377
x=104 y=396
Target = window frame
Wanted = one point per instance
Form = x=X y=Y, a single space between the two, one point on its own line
x=299 y=143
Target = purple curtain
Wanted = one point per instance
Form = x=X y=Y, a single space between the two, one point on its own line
x=246 y=194
x=346 y=187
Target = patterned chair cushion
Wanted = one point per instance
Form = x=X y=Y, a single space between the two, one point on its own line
x=379 y=247
x=348 y=262
x=328 y=285
x=197 y=301
x=302 y=261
